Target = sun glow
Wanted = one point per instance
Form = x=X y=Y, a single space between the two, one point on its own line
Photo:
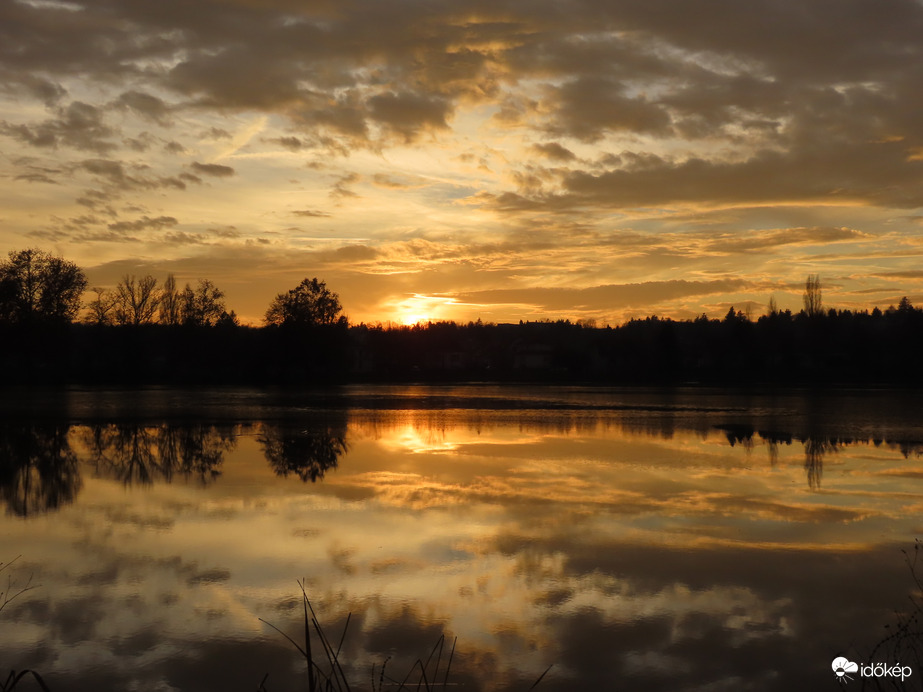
x=419 y=309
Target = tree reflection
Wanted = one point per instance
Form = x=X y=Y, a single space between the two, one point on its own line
x=306 y=453
x=139 y=454
x=816 y=447
x=38 y=469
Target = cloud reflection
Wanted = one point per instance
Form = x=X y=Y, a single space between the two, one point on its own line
x=656 y=547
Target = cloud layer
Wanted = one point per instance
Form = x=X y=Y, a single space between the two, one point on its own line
x=746 y=143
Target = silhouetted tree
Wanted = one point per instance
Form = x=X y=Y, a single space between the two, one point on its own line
x=202 y=306
x=308 y=304
x=813 y=304
x=169 y=302
x=35 y=286
x=136 y=300
x=228 y=319
x=773 y=309
x=101 y=309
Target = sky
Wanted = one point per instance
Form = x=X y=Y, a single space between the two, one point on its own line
x=503 y=160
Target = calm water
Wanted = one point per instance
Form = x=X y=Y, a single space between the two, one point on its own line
x=675 y=540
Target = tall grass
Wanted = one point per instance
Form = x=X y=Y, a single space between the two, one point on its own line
x=328 y=674
x=904 y=643
x=11 y=592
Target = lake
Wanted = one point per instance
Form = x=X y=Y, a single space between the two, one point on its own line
x=675 y=539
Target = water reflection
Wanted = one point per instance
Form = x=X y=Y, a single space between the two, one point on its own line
x=816 y=446
x=38 y=468
x=307 y=453
x=649 y=549
x=140 y=454
x=40 y=462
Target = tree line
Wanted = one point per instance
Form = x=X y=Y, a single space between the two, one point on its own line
x=142 y=332
x=39 y=288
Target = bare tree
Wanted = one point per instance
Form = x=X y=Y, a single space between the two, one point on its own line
x=202 y=306
x=813 y=305
x=102 y=308
x=169 y=302
x=136 y=300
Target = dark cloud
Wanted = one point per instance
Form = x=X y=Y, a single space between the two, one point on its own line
x=290 y=143
x=408 y=114
x=181 y=238
x=123 y=177
x=48 y=92
x=143 y=224
x=626 y=67
x=147 y=106
x=555 y=151
x=214 y=170
x=36 y=178
x=237 y=77
x=587 y=108
x=79 y=125
x=829 y=171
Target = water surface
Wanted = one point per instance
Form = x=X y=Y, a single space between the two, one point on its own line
x=633 y=539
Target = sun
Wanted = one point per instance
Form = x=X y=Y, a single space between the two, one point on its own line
x=419 y=309
x=411 y=318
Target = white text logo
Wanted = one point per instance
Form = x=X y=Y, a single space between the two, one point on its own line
x=842 y=667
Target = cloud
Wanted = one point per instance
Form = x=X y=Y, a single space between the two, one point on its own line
x=616 y=296
x=79 y=125
x=311 y=213
x=905 y=274
x=143 y=224
x=555 y=151
x=341 y=187
x=587 y=108
x=760 y=128
x=397 y=182
x=828 y=172
x=124 y=177
x=227 y=232
x=408 y=114
x=214 y=170
x=48 y=92
x=290 y=143
x=755 y=241
x=146 y=105
x=36 y=178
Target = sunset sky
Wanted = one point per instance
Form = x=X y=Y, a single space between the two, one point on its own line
x=499 y=160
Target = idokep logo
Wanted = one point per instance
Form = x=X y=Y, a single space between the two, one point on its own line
x=842 y=667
